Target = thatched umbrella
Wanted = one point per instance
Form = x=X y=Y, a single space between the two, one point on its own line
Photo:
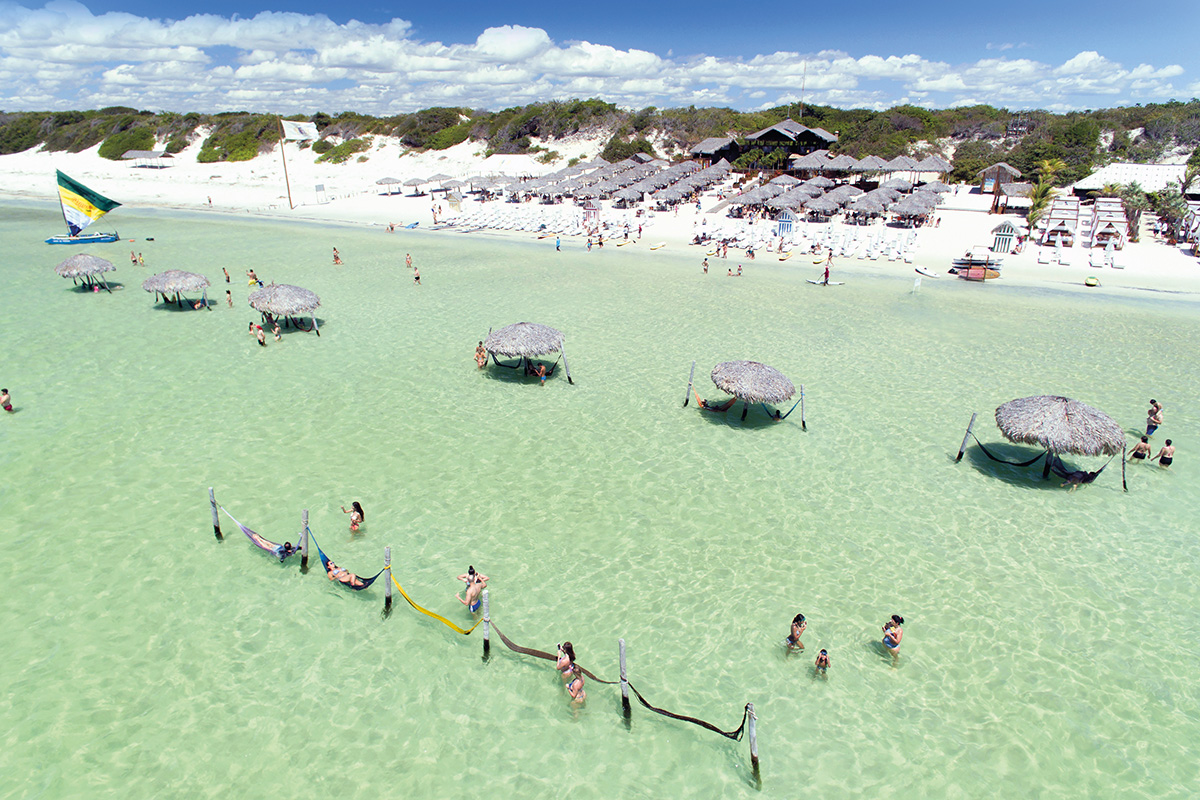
x=820 y=180
x=752 y=382
x=785 y=180
x=822 y=206
x=441 y=176
x=1060 y=425
x=284 y=300
x=524 y=340
x=89 y=268
x=899 y=184
x=869 y=164
x=176 y=281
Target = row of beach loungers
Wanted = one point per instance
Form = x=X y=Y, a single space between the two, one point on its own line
x=1097 y=259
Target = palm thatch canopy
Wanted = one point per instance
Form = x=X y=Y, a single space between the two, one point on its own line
x=524 y=339
x=1060 y=425
x=821 y=205
x=284 y=300
x=752 y=382
x=869 y=164
x=387 y=181
x=83 y=265
x=785 y=180
x=441 y=176
x=174 y=281
x=936 y=186
x=820 y=180
x=899 y=184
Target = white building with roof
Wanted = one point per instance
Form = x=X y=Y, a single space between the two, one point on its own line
x=1151 y=177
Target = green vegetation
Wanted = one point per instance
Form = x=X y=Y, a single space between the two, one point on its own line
x=342 y=152
x=980 y=135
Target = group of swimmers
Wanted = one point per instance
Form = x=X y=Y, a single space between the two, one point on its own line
x=1141 y=450
x=893 y=633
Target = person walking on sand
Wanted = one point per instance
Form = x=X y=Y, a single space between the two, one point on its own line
x=476 y=583
x=1141 y=450
x=6 y=401
x=557 y=243
x=589 y=244
x=706 y=266
x=1164 y=457
x=829 y=258
x=825 y=280
x=1154 y=417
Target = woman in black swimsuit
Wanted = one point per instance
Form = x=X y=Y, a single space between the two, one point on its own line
x=1166 y=455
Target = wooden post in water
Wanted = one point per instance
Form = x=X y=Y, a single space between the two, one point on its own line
x=624 y=681
x=304 y=540
x=487 y=627
x=567 y=367
x=687 y=397
x=212 y=501
x=963 y=447
x=803 y=421
x=1046 y=468
x=1124 y=486
x=753 y=731
x=315 y=328
x=387 y=586
x=745 y=408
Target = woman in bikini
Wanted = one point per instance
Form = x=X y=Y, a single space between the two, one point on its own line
x=799 y=624
x=571 y=674
x=476 y=582
x=892 y=634
x=356 y=516
x=1166 y=455
x=481 y=355
x=1141 y=450
x=341 y=575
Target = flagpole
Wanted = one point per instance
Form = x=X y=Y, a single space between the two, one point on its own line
x=282 y=144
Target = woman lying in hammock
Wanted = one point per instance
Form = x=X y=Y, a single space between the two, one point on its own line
x=709 y=405
x=341 y=575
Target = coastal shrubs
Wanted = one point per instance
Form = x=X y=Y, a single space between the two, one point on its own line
x=238 y=136
x=340 y=153
x=448 y=137
x=119 y=144
x=322 y=146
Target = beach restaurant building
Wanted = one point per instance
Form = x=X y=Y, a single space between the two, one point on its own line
x=790 y=136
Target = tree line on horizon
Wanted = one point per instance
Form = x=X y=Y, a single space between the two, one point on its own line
x=1079 y=141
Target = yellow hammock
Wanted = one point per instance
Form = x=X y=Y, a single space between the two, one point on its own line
x=438 y=617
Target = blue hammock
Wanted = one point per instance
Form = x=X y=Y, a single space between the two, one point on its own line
x=325 y=561
x=261 y=542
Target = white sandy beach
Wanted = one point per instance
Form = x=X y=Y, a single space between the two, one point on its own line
x=351 y=196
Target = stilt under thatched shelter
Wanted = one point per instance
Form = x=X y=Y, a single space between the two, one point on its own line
x=752 y=382
x=176 y=282
x=277 y=300
x=90 y=269
x=524 y=340
x=1058 y=425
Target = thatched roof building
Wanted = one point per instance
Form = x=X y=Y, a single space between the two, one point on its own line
x=1060 y=425
x=175 y=282
x=89 y=268
x=752 y=382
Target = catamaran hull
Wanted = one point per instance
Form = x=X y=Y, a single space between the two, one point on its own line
x=85 y=238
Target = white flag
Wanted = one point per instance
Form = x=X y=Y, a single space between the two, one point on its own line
x=299 y=131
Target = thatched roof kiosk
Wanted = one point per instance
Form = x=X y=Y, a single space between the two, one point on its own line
x=283 y=300
x=389 y=183
x=991 y=178
x=752 y=382
x=1060 y=425
x=176 y=282
x=90 y=269
x=523 y=340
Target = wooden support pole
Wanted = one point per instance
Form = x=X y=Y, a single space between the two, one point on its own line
x=487 y=627
x=387 y=585
x=1046 y=468
x=688 y=396
x=304 y=540
x=1124 y=485
x=753 y=731
x=745 y=408
x=803 y=421
x=963 y=447
x=212 y=501
x=567 y=367
x=624 y=682
x=315 y=328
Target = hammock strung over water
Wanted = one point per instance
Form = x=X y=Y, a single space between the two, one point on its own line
x=363 y=583
x=261 y=542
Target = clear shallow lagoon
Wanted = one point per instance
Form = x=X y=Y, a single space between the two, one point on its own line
x=1052 y=638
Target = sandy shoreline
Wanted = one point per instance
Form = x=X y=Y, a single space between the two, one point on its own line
x=351 y=197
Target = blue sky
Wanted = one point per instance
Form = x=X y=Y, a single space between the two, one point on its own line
x=375 y=58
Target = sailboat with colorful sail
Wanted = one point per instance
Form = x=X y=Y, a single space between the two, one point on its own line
x=80 y=208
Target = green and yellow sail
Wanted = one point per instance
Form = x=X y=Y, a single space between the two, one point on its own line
x=80 y=205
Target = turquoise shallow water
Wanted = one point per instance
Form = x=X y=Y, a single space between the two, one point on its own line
x=1051 y=642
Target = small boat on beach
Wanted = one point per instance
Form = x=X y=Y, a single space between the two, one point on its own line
x=926 y=271
x=80 y=208
x=978 y=256
x=975 y=273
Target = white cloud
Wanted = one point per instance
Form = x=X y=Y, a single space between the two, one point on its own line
x=62 y=55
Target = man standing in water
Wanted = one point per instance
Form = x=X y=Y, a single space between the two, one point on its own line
x=1154 y=417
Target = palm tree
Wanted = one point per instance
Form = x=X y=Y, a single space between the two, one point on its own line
x=1135 y=203
x=1107 y=190
x=1039 y=198
x=1047 y=168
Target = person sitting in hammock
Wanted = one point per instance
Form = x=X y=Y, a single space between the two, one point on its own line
x=280 y=551
x=342 y=575
x=1075 y=477
x=709 y=405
